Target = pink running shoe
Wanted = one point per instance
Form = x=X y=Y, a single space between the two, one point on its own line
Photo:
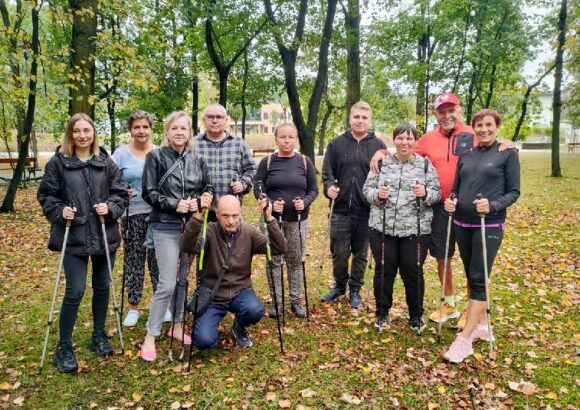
x=480 y=333
x=148 y=355
x=177 y=336
x=459 y=350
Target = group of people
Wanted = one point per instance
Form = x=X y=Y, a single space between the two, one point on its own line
x=184 y=198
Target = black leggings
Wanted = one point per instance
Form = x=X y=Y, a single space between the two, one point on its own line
x=470 y=249
x=75 y=270
x=400 y=255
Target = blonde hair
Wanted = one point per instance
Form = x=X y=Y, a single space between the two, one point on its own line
x=285 y=124
x=68 y=145
x=175 y=115
x=361 y=105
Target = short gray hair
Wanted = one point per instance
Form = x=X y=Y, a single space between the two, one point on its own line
x=139 y=115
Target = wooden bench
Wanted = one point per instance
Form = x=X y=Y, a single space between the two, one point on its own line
x=262 y=152
x=572 y=145
x=30 y=165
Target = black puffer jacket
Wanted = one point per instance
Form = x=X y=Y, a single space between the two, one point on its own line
x=68 y=180
x=348 y=161
x=189 y=178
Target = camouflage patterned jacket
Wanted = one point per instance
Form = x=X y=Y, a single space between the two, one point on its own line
x=401 y=212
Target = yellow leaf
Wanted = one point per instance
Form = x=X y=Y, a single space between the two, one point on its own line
x=154 y=372
x=552 y=396
x=478 y=357
x=441 y=389
x=432 y=406
x=5 y=386
x=136 y=397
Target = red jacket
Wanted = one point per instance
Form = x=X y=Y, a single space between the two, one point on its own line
x=444 y=151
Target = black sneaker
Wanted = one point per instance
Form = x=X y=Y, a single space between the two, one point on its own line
x=64 y=358
x=240 y=334
x=297 y=309
x=382 y=321
x=354 y=299
x=272 y=311
x=416 y=324
x=335 y=293
x=100 y=345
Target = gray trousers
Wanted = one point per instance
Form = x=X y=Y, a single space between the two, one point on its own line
x=293 y=259
x=172 y=264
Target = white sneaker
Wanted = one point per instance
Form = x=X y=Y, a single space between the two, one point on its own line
x=168 y=316
x=131 y=318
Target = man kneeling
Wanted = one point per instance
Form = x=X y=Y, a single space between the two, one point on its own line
x=230 y=238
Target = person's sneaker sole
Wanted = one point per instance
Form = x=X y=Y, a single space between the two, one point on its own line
x=64 y=370
x=446 y=318
x=458 y=361
x=243 y=346
x=95 y=349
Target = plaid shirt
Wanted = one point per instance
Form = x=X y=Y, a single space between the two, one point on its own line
x=229 y=158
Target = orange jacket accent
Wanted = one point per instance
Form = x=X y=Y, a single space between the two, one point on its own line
x=443 y=150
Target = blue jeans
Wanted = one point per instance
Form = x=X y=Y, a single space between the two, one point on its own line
x=349 y=236
x=247 y=308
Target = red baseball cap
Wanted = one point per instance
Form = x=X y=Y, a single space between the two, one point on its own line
x=446 y=98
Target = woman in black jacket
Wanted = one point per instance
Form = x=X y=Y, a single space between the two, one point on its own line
x=173 y=176
x=487 y=182
x=81 y=183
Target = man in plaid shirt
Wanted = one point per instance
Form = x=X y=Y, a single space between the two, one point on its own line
x=228 y=159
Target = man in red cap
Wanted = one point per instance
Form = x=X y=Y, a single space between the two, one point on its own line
x=443 y=146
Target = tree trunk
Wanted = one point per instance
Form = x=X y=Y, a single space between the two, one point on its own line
x=491 y=86
x=352 y=25
x=82 y=57
x=8 y=203
x=525 y=102
x=244 y=87
x=324 y=126
x=112 y=120
x=557 y=101
x=463 y=48
x=306 y=130
x=195 y=98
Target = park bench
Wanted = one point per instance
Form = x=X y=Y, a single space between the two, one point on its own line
x=262 y=152
x=10 y=163
x=572 y=145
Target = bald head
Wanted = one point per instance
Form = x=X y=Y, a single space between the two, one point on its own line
x=229 y=213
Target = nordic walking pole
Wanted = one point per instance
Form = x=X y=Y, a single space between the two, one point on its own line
x=383 y=235
x=282 y=275
x=208 y=188
x=125 y=253
x=115 y=306
x=262 y=195
x=327 y=241
x=303 y=252
x=369 y=268
x=486 y=273
x=419 y=267
x=444 y=279
x=54 y=292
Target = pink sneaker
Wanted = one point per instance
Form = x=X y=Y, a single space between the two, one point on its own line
x=480 y=333
x=148 y=355
x=459 y=350
x=177 y=336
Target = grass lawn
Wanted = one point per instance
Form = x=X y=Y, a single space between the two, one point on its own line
x=337 y=360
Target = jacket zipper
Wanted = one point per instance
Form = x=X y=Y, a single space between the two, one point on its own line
x=397 y=201
x=353 y=177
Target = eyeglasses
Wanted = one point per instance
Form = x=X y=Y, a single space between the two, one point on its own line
x=214 y=117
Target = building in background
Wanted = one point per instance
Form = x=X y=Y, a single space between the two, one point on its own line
x=261 y=121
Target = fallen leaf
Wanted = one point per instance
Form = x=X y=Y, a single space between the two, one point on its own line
x=552 y=396
x=136 y=397
x=285 y=404
x=271 y=396
x=175 y=405
x=527 y=388
x=432 y=406
x=306 y=393
x=18 y=401
x=441 y=389
x=5 y=386
x=350 y=399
